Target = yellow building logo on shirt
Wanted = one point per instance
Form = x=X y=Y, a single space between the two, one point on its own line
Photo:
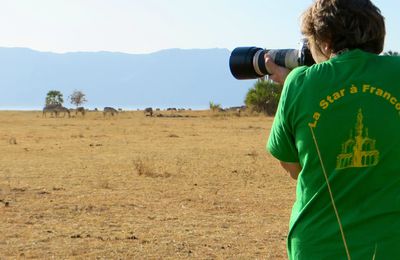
x=358 y=151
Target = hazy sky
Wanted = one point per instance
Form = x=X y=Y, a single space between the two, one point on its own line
x=143 y=26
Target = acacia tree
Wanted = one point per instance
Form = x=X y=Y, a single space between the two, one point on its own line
x=77 y=98
x=54 y=97
x=263 y=97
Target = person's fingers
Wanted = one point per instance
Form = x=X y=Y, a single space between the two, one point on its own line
x=276 y=73
x=270 y=64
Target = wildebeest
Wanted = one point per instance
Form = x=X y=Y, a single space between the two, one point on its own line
x=110 y=110
x=148 y=111
x=56 y=109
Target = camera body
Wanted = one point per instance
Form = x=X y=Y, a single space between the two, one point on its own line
x=249 y=62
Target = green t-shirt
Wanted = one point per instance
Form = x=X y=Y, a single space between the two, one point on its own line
x=352 y=104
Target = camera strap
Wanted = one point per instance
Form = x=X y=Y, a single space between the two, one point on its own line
x=331 y=194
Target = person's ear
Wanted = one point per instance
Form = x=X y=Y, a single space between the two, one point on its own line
x=326 y=48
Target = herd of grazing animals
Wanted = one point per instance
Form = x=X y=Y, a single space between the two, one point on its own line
x=57 y=110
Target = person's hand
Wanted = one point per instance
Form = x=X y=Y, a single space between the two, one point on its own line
x=277 y=73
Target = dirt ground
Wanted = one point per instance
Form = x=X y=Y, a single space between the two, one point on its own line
x=190 y=184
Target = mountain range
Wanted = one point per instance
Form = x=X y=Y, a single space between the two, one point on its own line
x=169 y=78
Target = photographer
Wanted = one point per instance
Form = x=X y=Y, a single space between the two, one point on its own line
x=337 y=132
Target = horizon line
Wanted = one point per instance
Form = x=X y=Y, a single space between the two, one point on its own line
x=113 y=51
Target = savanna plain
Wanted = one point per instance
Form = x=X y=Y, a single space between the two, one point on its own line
x=187 y=185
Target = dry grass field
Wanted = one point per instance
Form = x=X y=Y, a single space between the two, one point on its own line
x=200 y=186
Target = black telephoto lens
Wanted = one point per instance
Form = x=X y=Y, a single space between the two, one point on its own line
x=245 y=61
x=249 y=62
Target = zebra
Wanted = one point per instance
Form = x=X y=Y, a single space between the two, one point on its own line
x=49 y=109
x=61 y=109
x=56 y=109
x=80 y=110
x=110 y=110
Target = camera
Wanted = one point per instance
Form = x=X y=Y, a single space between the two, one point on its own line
x=249 y=62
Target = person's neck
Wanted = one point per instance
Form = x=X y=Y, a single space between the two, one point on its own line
x=338 y=53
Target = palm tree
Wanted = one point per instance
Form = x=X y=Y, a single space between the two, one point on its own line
x=264 y=97
x=214 y=107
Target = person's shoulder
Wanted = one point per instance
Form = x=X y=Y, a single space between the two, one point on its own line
x=295 y=83
x=297 y=72
x=299 y=76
